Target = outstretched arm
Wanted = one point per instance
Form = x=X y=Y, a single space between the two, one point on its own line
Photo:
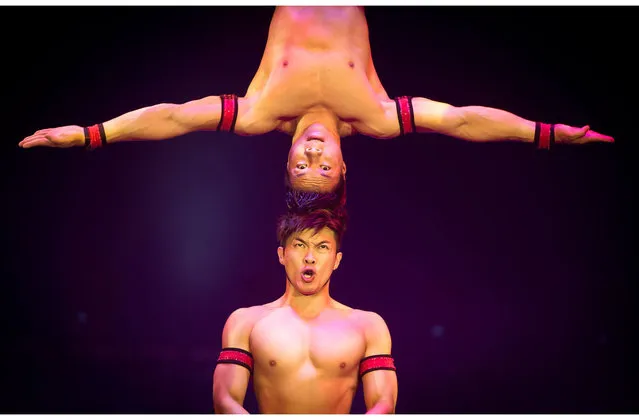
x=157 y=122
x=380 y=385
x=230 y=380
x=483 y=124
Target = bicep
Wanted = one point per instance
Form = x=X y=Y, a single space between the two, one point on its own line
x=200 y=114
x=436 y=116
x=380 y=383
x=427 y=115
x=205 y=114
x=230 y=380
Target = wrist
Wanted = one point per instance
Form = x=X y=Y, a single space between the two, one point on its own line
x=93 y=136
x=544 y=136
x=77 y=136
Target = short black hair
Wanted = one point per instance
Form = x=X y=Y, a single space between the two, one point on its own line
x=317 y=219
x=304 y=200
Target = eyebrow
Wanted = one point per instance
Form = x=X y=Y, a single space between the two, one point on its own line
x=306 y=243
x=321 y=173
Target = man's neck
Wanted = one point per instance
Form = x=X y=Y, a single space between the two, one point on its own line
x=320 y=116
x=306 y=306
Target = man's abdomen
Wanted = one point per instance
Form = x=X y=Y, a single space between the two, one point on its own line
x=306 y=396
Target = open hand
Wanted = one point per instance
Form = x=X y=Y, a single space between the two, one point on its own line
x=565 y=134
x=67 y=136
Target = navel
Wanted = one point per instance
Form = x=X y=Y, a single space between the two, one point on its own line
x=351 y=64
x=272 y=362
x=284 y=63
x=342 y=365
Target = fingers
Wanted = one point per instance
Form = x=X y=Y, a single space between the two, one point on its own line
x=583 y=135
x=40 y=140
x=35 y=140
x=594 y=136
x=37 y=135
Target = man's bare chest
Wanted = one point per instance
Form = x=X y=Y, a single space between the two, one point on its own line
x=303 y=80
x=283 y=344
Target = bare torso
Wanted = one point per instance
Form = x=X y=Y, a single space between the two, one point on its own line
x=318 y=58
x=306 y=366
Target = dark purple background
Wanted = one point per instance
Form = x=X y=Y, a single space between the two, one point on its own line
x=503 y=273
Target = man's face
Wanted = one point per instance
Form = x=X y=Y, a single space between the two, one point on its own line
x=309 y=259
x=315 y=160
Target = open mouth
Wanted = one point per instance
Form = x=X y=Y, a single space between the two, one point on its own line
x=308 y=275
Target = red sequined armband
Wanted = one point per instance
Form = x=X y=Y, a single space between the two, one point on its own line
x=228 y=115
x=236 y=357
x=377 y=362
x=405 y=114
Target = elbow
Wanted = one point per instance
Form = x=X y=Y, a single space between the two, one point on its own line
x=389 y=407
x=225 y=403
x=383 y=407
x=220 y=399
x=222 y=405
x=456 y=120
x=166 y=111
x=452 y=121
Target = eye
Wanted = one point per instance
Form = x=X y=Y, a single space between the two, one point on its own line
x=301 y=166
x=299 y=245
x=324 y=246
x=325 y=167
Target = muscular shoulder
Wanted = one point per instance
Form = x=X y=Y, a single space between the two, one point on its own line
x=375 y=330
x=370 y=321
x=384 y=125
x=247 y=315
x=240 y=323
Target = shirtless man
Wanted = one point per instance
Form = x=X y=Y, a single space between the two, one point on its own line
x=317 y=83
x=306 y=351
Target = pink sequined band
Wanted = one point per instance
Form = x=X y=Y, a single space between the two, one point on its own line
x=376 y=362
x=229 y=113
x=544 y=135
x=237 y=357
x=94 y=136
x=405 y=114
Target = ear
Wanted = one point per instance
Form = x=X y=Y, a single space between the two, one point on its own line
x=338 y=259
x=343 y=169
x=280 y=254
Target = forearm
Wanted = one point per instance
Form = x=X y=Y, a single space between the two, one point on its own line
x=155 y=122
x=382 y=407
x=228 y=405
x=473 y=123
x=479 y=123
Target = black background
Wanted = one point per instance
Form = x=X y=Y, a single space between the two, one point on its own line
x=504 y=274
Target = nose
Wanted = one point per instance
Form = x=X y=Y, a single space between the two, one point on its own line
x=309 y=259
x=312 y=151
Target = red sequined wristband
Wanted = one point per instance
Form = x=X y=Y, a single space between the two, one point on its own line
x=94 y=136
x=544 y=135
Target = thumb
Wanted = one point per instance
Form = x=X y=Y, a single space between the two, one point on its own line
x=580 y=132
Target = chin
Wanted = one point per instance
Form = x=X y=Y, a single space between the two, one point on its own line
x=308 y=289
